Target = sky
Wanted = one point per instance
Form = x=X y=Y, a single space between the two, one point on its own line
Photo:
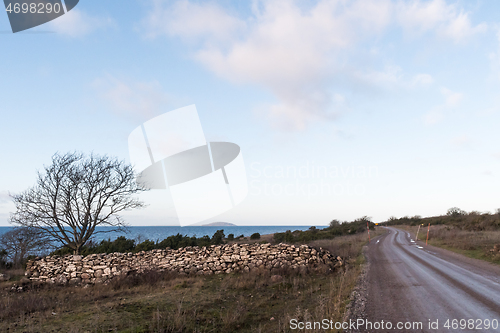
x=342 y=109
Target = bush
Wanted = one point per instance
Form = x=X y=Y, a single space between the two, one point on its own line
x=455 y=217
x=334 y=223
x=334 y=230
x=230 y=237
x=279 y=237
x=313 y=229
x=455 y=211
x=123 y=245
x=218 y=237
x=255 y=236
x=147 y=245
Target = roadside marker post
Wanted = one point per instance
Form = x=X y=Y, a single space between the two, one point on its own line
x=368 y=228
x=416 y=238
x=428 y=227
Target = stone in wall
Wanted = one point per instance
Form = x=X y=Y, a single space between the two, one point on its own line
x=215 y=259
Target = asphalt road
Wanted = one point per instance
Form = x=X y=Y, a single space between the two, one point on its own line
x=411 y=283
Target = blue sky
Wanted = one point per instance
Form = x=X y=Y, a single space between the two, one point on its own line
x=398 y=100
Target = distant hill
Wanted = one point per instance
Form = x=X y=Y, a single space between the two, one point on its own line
x=219 y=224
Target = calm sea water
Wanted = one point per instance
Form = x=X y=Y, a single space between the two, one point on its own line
x=161 y=232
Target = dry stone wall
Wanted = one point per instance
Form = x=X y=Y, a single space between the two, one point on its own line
x=218 y=259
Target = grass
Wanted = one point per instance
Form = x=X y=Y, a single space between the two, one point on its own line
x=348 y=247
x=166 y=302
x=473 y=244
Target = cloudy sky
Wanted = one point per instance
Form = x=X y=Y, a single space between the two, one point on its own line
x=341 y=108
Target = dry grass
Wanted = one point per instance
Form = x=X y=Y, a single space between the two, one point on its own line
x=348 y=247
x=474 y=244
x=330 y=304
x=162 y=302
x=155 y=302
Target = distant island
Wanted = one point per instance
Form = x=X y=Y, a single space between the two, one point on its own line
x=219 y=224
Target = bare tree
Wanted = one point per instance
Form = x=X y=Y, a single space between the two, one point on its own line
x=75 y=195
x=21 y=242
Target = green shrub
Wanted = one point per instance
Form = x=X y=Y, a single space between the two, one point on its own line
x=279 y=237
x=218 y=237
x=230 y=237
x=123 y=245
x=147 y=245
x=333 y=230
x=255 y=236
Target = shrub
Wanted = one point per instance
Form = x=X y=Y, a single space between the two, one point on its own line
x=279 y=237
x=218 y=237
x=255 y=236
x=313 y=229
x=334 y=223
x=121 y=244
x=455 y=211
x=230 y=237
x=147 y=245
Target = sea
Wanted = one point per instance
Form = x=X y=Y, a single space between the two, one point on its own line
x=159 y=233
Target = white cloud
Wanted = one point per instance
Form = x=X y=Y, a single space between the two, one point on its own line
x=393 y=77
x=447 y=21
x=296 y=49
x=452 y=99
x=145 y=99
x=294 y=112
x=191 y=21
x=389 y=77
x=77 y=23
x=287 y=49
x=422 y=80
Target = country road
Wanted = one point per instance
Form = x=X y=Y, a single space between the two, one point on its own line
x=410 y=283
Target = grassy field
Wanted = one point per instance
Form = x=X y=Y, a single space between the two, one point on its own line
x=162 y=302
x=474 y=244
